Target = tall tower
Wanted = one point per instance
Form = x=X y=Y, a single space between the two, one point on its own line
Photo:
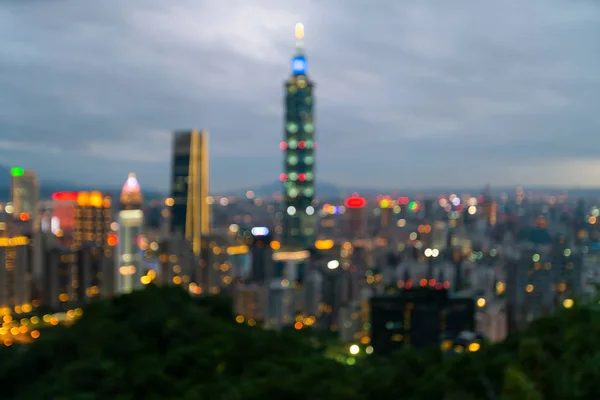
x=24 y=193
x=298 y=177
x=189 y=187
x=131 y=221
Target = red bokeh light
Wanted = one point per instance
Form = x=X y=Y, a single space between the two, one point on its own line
x=283 y=177
x=24 y=217
x=301 y=144
x=64 y=196
x=356 y=202
x=301 y=177
x=403 y=201
x=283 y=146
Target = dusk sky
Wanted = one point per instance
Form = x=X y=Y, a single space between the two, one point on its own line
x=408 y=94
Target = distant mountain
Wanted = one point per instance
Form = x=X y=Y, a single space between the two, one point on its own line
x=323 y=190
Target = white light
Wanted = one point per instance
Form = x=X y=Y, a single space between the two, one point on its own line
x=428 y=252
x=354 y=349
x=291 y=210
x=310 y=210
x=435 y=252
x=54 y=225
x=131 y=214
x=333 y=264
x=234 y=228
x=260 y=231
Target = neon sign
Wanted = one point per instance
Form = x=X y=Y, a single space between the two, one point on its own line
x=260 y=231
x=356 y=202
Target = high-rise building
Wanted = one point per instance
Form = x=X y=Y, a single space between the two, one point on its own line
x=24 y=193
x=298 y=177
x=189 y=187
x=93 y=216
x=131 y=222
x=15 y=276
x=62 y=222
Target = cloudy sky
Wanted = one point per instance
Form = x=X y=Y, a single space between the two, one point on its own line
x=409 y=93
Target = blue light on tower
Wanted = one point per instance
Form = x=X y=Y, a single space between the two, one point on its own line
x=299 y=65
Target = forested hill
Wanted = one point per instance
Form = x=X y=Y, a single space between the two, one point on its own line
x=161 y=344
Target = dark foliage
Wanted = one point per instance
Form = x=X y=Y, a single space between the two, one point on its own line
x=160 y=343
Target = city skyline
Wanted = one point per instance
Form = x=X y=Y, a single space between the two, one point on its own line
x=477 y=94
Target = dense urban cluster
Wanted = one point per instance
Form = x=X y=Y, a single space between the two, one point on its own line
x=322 y=289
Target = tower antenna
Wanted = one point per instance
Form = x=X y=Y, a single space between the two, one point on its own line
x=299 y=33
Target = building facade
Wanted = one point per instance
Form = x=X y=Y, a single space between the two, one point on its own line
x=190 y=213
x=298 y=179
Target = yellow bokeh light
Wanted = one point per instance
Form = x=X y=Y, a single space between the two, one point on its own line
x=568 y=303
x=299 y=31
x=473 y=347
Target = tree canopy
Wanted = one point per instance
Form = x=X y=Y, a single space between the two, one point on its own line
x=160 y=343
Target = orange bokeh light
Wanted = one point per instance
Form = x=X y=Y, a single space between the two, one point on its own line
x=112 y=239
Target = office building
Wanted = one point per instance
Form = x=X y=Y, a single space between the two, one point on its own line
x=93 y=216
x=24 y=194
x=62 y=222
x=298 y=179
x=189 y=187
x=419 y=318
x=356 y=217
x=15 y=277
x=262 y=255
x=131 y=222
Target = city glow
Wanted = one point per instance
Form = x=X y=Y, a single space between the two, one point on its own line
x=291 y=255
x=236 y=250
x=14 y=241
x=324 y=244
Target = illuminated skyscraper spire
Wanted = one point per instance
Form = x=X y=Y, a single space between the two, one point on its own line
x=298 y=146
x=299 y=32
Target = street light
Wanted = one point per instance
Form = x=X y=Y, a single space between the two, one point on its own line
x=333 y=264
x=354 y=349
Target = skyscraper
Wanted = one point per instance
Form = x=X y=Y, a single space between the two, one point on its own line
x=298 y=177
x=93 y=216
x=131 y=221
x=24 y=193
x=189 y=187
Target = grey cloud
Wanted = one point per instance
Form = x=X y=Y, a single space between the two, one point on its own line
x=403 y=89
